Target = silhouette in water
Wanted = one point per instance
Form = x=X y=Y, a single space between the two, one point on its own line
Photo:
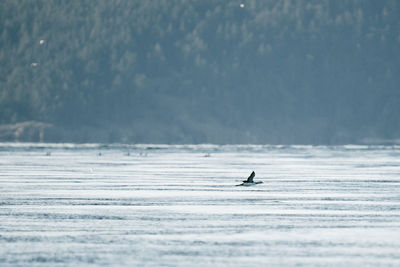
x=250 y=180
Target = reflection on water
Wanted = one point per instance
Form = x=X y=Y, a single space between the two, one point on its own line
x=66 y=204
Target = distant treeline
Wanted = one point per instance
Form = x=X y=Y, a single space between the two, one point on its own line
x=202 y=71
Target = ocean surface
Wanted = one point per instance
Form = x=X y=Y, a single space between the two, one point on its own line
x=171 y=205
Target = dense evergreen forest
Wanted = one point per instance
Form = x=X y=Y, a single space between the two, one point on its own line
x=200 y=71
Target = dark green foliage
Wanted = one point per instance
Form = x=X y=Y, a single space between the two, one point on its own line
x=181 y=71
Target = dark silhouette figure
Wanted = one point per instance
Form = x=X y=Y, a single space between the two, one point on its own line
x=250 y=179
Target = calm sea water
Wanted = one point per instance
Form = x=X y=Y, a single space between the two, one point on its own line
x=160 y=205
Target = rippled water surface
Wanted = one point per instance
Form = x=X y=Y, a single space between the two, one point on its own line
x=166 y=205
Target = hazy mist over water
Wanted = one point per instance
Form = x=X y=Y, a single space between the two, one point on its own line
x=126 y=126
x=86 y=86
x=209 y=71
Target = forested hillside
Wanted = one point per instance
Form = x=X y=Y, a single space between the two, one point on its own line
x=200 y=71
